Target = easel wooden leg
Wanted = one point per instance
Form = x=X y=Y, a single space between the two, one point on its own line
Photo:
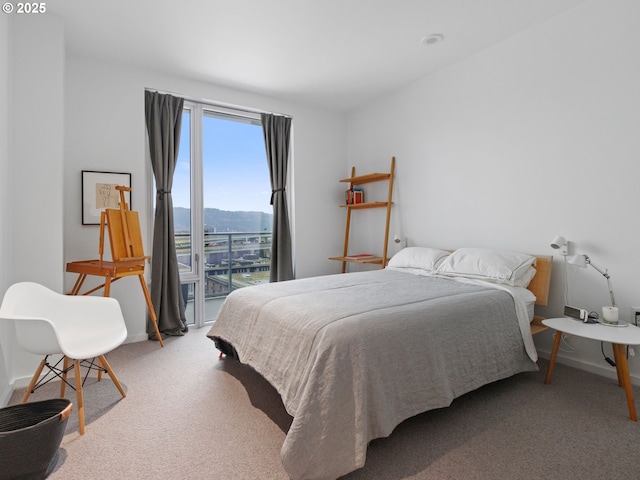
x=152 y=312
x=107 y=286
x=107 y=292
x=78 y=284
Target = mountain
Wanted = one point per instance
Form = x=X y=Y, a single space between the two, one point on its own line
x=224 y=220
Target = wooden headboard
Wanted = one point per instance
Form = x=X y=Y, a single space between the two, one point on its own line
x=540 y=283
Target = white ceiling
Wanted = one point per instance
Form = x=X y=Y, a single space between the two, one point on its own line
x=335 y=53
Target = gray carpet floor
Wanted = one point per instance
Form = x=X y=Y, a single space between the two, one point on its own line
x=188 y=415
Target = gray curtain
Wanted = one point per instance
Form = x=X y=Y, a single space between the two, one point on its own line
x=277 y=134
x=164 y=118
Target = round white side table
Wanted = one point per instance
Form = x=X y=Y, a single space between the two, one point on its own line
x=618 y=336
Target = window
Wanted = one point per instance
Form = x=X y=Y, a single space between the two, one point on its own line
x=222 y=216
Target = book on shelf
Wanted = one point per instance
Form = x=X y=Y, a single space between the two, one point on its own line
x=360 y=256
x=354 y=195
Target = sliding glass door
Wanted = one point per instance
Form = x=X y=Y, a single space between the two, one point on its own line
x=222 y=215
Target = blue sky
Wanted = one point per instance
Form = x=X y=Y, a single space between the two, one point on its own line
x=235 y=170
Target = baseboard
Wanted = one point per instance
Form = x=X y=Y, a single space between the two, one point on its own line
x=5 y=395
x=142 y=337
x=602 y=370
x=20 y=382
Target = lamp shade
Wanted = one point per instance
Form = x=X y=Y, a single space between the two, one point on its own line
x=558 y=242
x=577 y=260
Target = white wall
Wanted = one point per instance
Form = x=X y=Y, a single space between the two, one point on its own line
x=5 y=390
x=32 y=164
x=105 y=130
x=533 y=137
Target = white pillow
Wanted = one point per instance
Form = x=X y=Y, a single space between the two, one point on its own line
x=422 y=258
x=498 y=266
x=525 y=279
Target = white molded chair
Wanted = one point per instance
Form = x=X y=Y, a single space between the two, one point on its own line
x=78 y=327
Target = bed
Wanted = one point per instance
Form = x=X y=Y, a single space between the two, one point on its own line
x=353 y=355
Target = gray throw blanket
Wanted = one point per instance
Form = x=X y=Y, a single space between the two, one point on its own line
x=353 y=355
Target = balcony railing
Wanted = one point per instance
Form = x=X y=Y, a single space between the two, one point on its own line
x=231 y=260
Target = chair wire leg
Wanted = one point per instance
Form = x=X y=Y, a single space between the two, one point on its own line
x=53 y=372
x=92 y=365
x=89 y=365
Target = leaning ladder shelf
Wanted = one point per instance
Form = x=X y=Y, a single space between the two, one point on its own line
x=354 y=180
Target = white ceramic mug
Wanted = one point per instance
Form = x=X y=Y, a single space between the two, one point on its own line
x=610 y=314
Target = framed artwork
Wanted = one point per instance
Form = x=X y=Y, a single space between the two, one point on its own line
x=99 y=192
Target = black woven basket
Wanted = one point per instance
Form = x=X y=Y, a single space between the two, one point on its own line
x=30 y=435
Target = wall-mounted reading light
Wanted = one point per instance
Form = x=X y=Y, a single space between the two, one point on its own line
x=560 y=243
x=400 y=240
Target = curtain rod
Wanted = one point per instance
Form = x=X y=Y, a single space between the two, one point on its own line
x=217 y=104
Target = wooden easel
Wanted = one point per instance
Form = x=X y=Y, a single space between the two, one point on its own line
x=127 y=254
